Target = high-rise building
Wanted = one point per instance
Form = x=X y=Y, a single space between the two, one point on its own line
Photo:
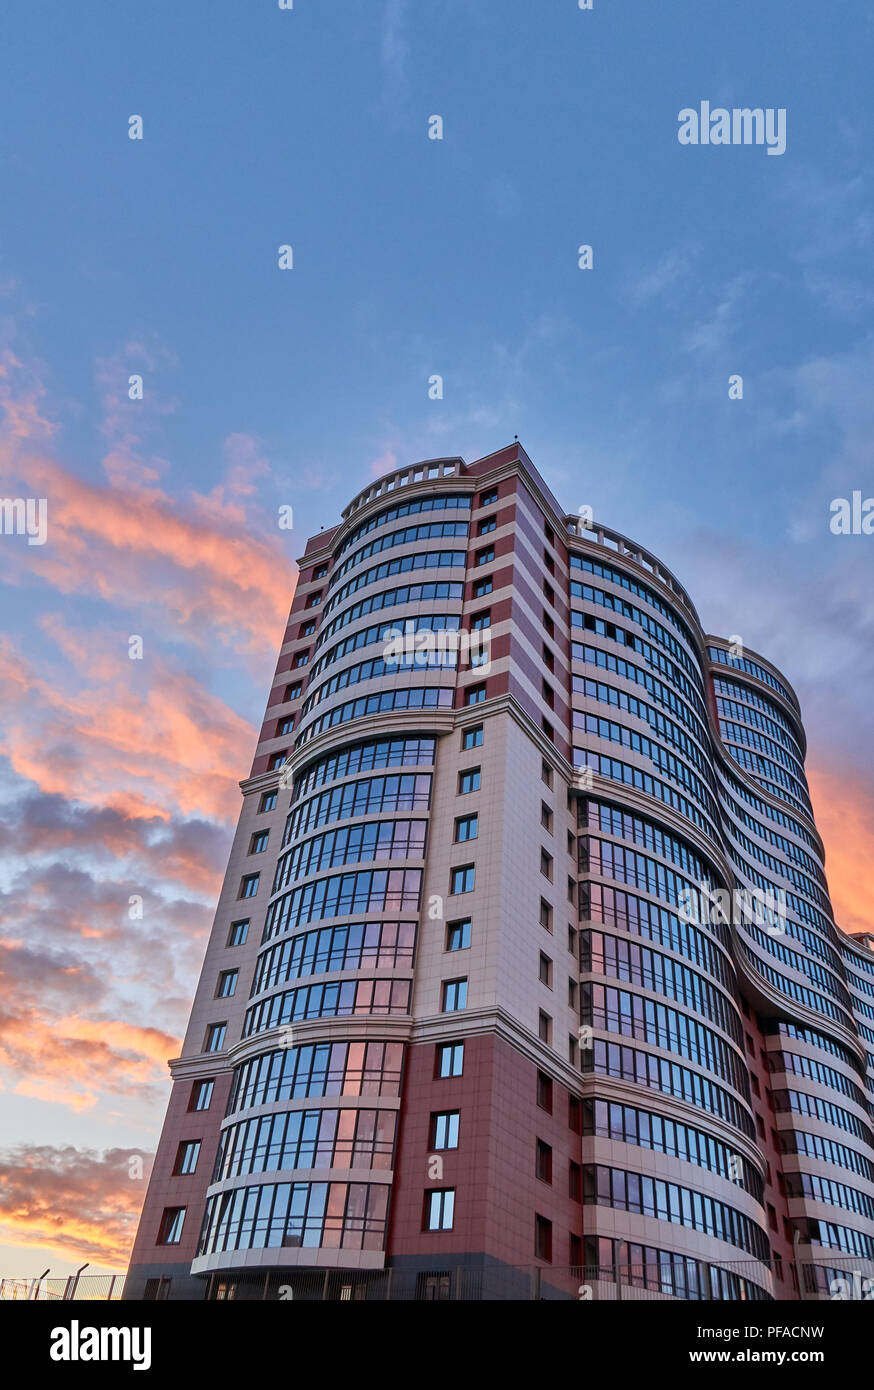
x=524 y=974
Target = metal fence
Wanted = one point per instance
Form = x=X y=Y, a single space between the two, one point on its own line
x=93 y=1287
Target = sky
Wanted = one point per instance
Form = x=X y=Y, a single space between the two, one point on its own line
x=266 y=388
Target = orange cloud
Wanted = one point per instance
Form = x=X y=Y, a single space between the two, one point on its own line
x=72 y=1202
x=844 y=808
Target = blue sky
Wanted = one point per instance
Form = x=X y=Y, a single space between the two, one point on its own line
x=412 y=257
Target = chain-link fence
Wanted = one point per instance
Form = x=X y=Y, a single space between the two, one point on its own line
x=95 y=1287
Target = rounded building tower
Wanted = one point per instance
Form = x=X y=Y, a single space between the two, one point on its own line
x=524 y=974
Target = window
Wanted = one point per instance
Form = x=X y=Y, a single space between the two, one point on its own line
x=543 y=1161
x=548 y=624
x=575 y=1114
x=450 y=1059
x=547 y=693
x=546 y=773
x=293 y=692
x=215 y=1037
x=314 y=600
x=444 y=1130
x=238 y=932
x=481 y=620
x=454 y=996
x=572 y=939
x=572 y=1049
x=548 y=658
x=307 y=630
x=472 y=738
x=320 y=572
x=542 y=1238
x=486 y=524
x=201 y=1095
x=461 y=879
x=258 y=842
x=545 y=973
x=486 y=555
x=482 y=587
x=249 y=885
x=548 y=532
x=227 y=984
x=548 y=561
x=474 y=694
x=548 y=592
x=285 y=725
x=268 y=801
x=487 y=498
x=468 y=780
x=544 y=1027
x=570 y=843
x=772 y=1217
x=277 y=760
x=545 y=817
x=548 y=729
x=466 y=828
x=575 y=1182
x=458 y=935
x=439 y=1209
x=172 y=1221
x=433 y=1288
x=571 y=889
x=186 y=1157
x=546 y=864
x=571 y=993
x=544 y=1091
x=301 y=659
x=545 y=915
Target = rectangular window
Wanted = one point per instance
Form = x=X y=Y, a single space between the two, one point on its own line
x=474 y=694
x=543 y=1161
x=238 y=933
x=454 y=996
x=466 y=828
x=277 y=761
x=546 y=864
x=545 y=973
x=486 y=555
x=314 y=600
x=285 y=726
x=575 y=1182
x=544 y=1091
x=293 y=692
x=545 y=817
x=201 y=1095
x=575 y=1114
x=186 y=1157
x=482 y=587
x=542 y=1238
x=172 y=1221
x=458 y=935
x=320 y=572
x=544 y=1027
x=481 y=620
x=444 y=1130
x=450 y=1059
x=439 y=1209
x=227 y=984
x=545 y=915
x=301 y=659
x=461 y=880
x=258 y=842
x=215 y=1037
x=486 y=524
x=307 y=630
x=267 y=802
x=487 y=498
x=472 y=738
x=546 y=773
x=571 y=939
x=249 y=885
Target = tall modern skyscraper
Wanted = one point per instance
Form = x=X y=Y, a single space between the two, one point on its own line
x=524 y=974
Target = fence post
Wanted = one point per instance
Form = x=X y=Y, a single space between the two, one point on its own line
x=66 y=1293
